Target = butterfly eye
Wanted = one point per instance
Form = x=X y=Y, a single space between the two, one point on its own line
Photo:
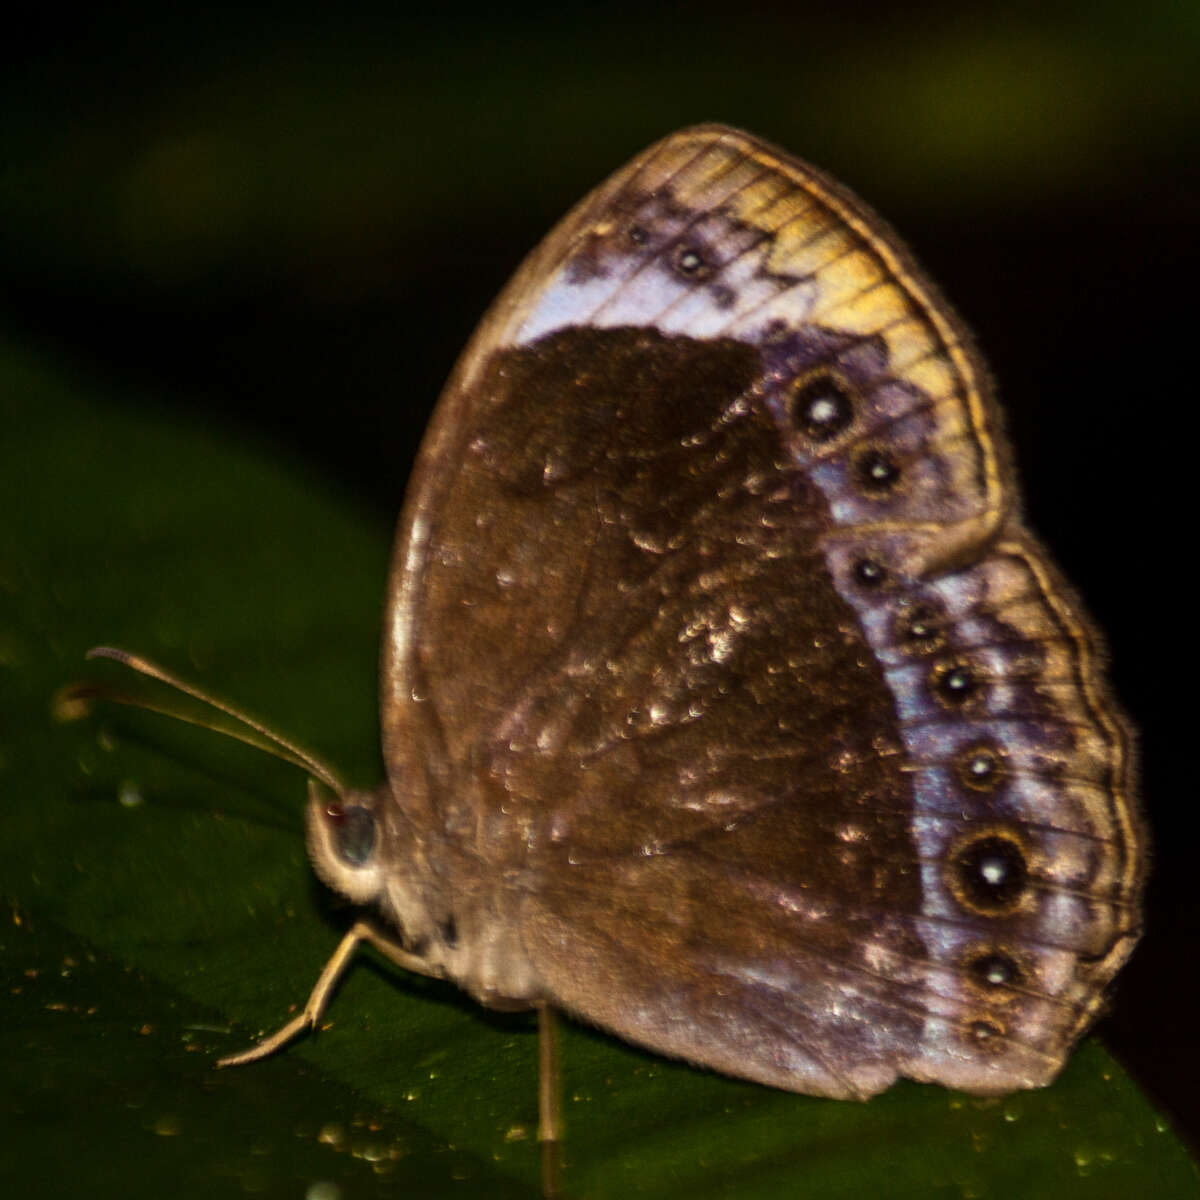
x=354 y=832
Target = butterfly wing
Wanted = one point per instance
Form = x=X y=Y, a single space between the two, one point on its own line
x=714 y=633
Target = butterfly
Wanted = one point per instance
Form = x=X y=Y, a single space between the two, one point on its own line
x=727 y=703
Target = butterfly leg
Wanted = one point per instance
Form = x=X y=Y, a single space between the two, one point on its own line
x=360 y=931
x=549 y=1101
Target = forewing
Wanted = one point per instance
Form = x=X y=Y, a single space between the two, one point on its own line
x=712 y=628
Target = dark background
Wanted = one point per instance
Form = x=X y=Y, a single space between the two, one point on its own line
x=289 y=221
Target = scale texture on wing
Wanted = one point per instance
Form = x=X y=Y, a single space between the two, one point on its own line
x=712 y=612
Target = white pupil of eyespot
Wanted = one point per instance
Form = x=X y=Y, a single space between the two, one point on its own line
x=822 y=411
x=993 y=870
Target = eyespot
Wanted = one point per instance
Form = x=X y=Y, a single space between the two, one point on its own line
x=821 y=408
x=878 y=472
x=353 y=832
x=870 y=573
x=986 y=1036
x=990 y=873
x=920 y=628
x=954 y=683
x=994 y=969
x=980 y=767
x=690 y=262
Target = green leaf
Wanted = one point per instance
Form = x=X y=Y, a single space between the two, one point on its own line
x=160 y=912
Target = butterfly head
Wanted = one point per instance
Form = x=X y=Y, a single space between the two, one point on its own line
x=345 y=841
x=364 y=847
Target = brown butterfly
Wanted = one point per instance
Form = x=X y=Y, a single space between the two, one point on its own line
x=726 y=701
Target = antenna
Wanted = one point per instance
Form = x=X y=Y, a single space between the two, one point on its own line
x=254 y=734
